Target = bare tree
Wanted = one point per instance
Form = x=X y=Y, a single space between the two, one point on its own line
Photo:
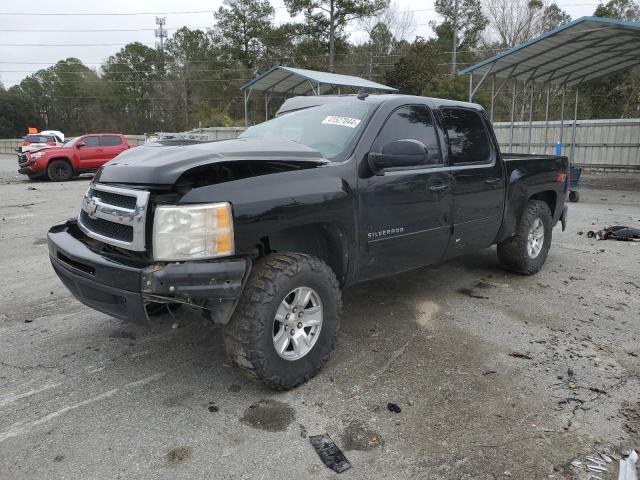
x=400 y=23
x=515 y=21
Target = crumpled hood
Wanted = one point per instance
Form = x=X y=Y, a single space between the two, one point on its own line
x=162 y=163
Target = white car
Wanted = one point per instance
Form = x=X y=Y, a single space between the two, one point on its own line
x=45 y=139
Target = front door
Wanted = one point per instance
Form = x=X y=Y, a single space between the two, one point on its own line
x=89 y=152
x=478 y=196
x=405 y=212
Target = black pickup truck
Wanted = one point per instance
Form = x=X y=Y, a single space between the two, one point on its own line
x=262 y=232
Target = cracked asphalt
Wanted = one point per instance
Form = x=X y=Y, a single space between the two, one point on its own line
x=497 y=375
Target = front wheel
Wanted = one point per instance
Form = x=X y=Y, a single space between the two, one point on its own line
x=287 y=320
x=59 y=171
x=527 y=250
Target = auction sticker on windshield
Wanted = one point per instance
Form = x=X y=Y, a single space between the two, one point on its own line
x=342 y=121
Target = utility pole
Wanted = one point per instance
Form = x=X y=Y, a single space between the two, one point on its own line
x=161 y=32
x=455 y=38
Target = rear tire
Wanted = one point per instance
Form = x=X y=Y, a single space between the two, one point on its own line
x=525 y=252
x=574 y=196
x=60 y=171
x=258 y=322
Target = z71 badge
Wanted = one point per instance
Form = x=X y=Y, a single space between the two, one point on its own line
x=384 y=233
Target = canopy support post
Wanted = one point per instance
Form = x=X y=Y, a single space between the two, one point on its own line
x=493 y=96
x=513 y=108
x=573 y=130
x=247 y=95
x=471 y=87
x=472 y=91
x=546 y=120
x=267 y=98
x=564 y=90
x=533 y=87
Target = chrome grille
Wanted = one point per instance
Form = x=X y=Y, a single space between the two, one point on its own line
x=115 y=216
x=116 y=231
x=113 y=198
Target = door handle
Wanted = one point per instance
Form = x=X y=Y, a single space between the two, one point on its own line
x=441 y=188
x=493 y=181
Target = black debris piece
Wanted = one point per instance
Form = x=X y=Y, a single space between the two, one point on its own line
x=213 y=408
x=329 y=453
x=393 y=407
x=616 y=232
x=520 y=355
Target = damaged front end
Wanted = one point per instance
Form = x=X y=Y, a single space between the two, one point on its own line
x=124 y=289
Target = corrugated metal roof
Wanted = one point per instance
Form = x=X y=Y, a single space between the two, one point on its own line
x=298 y=81
x=585 y=49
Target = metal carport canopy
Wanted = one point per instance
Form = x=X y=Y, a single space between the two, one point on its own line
x=298 y=81
x=584 y=49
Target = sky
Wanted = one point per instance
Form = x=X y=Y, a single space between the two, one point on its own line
x=26 y=47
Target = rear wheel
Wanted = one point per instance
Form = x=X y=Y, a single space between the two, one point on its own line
x=59 y=171
x=527 y=250
x=286 y=322
x=574 y=196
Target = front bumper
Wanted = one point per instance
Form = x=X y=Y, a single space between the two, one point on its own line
x=123 y=290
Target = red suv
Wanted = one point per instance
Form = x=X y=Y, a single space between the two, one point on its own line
x=83 y=154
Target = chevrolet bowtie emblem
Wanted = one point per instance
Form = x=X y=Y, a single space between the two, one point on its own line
x=92 y=206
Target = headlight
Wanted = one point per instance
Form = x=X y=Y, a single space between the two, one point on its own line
x=193 y=232
x=37 y=155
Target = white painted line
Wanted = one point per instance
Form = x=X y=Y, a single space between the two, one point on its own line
x=21 y=428
x=12 y=397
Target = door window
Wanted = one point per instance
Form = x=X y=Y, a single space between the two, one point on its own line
x=110 y=140
x=468 y=139
x=91 y=142
x=412 y=122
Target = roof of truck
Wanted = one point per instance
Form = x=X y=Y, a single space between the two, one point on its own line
x=299 y=103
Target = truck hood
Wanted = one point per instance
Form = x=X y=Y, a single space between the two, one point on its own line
x=162 y=163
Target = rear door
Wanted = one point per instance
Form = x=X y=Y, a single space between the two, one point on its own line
x=477 y=169
x=89 y=151
x=404 y=213
x=111 y=146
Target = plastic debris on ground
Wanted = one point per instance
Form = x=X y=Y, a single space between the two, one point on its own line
x=627 y=469
x=329 y=453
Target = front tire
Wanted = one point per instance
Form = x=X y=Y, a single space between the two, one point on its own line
x=526 y=252
x=286 y=323
x=59 y=171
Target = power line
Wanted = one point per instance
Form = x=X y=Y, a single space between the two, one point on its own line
x=120 y=14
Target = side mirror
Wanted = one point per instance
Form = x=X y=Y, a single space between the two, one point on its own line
x=80 y=144
x=399 y=153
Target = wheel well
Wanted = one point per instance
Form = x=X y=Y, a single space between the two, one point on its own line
x=549 y=197
x=324 y=241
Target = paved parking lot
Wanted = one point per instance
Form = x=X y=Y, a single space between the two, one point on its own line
x=85 y=396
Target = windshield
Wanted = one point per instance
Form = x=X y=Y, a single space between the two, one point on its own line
x=329 y=129
x=71 y=142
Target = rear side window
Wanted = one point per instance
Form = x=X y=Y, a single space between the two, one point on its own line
x=468 y=139
x=91 y=142
x=412 y=122
x=110 y=140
